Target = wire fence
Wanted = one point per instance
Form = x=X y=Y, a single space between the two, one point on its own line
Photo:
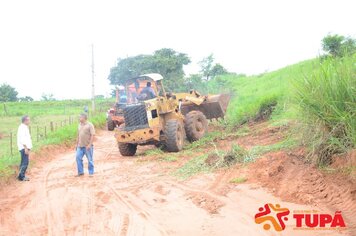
x=38 y=133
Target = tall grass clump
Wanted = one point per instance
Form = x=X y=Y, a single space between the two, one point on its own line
x=327 y=101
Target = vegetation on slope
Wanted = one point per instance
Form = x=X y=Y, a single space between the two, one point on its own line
x=320 y=95
x=327 y=102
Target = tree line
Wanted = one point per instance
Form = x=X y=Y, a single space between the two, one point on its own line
x=9 y=94
x=169 y=63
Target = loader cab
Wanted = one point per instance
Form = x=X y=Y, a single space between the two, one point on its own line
x=144 y=87
x=142 y=109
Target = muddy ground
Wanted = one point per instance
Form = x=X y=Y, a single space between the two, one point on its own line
x=142 y=196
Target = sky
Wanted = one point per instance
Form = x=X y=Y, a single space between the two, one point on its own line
x=45 y=46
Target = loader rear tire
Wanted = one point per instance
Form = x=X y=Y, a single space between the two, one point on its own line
x=127 y=149
x=196 y=125
x=174 y=136
x=110 y=123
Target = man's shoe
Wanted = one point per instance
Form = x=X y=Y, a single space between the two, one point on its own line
x=24 y=179
x=78 y=175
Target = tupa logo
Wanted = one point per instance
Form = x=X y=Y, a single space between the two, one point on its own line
x=272 y=214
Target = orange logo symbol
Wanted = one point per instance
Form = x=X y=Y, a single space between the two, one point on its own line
x=265 y=215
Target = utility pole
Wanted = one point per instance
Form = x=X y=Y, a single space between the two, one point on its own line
x=92 y=80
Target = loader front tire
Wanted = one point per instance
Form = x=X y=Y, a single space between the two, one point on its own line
x=127 y=149
x=174 y=136
x=110 y=124
x=196 y=125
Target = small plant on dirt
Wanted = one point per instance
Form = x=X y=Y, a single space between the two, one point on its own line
x=153 y=152
x=169 y=158
x=285 y=144
x=192 y=167
x=236 y=132
x=219 y=159
x=240 y=154
x=209 y=138
x=238 y=180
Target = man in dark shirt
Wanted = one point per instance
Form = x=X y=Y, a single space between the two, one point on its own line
x=148 y=90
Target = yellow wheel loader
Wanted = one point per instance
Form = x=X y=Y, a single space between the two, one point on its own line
x=154 y=117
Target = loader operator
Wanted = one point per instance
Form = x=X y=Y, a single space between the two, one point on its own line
x=147 y=92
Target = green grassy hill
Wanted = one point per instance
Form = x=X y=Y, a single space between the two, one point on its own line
x=319 y=95
x=253 y=94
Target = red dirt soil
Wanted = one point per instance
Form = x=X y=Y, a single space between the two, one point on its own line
x=131 y=197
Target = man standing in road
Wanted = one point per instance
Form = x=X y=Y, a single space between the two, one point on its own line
x=24 y=144
x=85 y=140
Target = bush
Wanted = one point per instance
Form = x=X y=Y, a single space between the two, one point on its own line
x=338 y=45
x=327 y=100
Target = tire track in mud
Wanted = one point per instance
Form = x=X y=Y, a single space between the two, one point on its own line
x=133 y=208
x=209 y=201
x=49 y=219
x=125 y=221
x=128 y=197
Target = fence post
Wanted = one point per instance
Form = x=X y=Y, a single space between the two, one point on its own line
x=5 y=109
x=37 y=134
x=11 y=144
x=51 y=126
x=45 y=131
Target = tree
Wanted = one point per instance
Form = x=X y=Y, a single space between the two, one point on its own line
x=194 y=81
x=99 y=97
x=47 y=97
x=26 y=99
x=206 y=65
x=8 y=93
x=210 y=70
x=349 y=46
x=218 y=69
x=338 y=45
x=165 y=61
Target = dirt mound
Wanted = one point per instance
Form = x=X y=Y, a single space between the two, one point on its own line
x=265 y=111
x=215 y=160
x=206 y=202
x=289 y=177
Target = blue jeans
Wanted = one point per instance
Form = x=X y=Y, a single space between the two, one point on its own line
x=81 y=151
x=23 y=165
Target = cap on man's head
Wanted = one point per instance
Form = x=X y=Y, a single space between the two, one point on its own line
x=148 y=84
x=24 y=118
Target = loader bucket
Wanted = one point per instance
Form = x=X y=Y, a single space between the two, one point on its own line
x=213 y=107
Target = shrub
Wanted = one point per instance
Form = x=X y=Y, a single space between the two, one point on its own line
x=327 y=101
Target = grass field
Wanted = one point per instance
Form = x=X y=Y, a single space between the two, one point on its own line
x=62 y=114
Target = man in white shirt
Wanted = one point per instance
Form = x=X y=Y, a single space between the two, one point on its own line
x=24 y=144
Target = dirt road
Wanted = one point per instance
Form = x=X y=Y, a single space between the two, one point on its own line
x=131 y=197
